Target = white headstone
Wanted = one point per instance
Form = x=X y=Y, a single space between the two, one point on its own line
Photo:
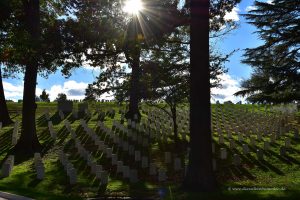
x=119 y=166
x=40 y=172
x=98 y=169
x=65 y=106
x=287 y=142
x=221 y=139
x=73 y=176
x=282 y=151
x=114 y=159
x=7 y=166
x=245 y=149
x=223 y=153
x=260 y=154
x=266 y=145
x=272 y=138
x=104 y=177
x=167 y=157
x=240 y=137
x=108 y=152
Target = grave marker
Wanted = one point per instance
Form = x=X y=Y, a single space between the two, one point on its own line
x=259 y=154
x=223 y=153
x=245 y=149
x=167 y=157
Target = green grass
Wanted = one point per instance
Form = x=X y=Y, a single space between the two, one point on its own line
x=274 y=172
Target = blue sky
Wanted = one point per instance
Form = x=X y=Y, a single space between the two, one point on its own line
x=75 y=85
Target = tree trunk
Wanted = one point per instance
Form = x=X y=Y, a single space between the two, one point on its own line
x=28 y=142
x=4 y=115
x=175 y=126
x=134 y=86
x=200 y=176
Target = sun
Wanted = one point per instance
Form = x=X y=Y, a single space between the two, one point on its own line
x=133 y=6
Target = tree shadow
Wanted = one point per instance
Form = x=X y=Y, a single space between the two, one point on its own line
x=62 y=135
x=272 y=167
x=5 y=141
x=281 y=158
x=56 y=118
x=42 y=121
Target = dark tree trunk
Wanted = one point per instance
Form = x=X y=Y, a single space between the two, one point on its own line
x=200 y=176
x=28 y=142
x=175 y=126
x=134 y=91
x=4 y=115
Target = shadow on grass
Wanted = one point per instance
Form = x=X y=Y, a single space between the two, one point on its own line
x=56 y=118
x=42 y=121
x=231 y=194
x=25 y=184
x=5 y=141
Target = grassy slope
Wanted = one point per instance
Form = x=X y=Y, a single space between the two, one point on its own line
x=275 y=172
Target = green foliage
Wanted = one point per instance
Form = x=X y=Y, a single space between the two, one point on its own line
x=276 y=76
x=160 y=51
x=61 y=97
x=44 y=96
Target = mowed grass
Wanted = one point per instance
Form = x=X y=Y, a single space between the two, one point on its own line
x=279 y=176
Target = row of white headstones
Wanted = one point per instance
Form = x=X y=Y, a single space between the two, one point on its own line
x=235 y=117
x=38 y=164
x=96 y=169
x=245 y=147
x=114 y=158
x=248 y=122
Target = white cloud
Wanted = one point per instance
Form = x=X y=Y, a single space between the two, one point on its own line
x=72 y=89
x=249 y=8
x=233 y=15
x=270 y=2
x=15 y=92
x=230 y=86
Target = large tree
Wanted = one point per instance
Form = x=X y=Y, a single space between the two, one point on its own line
x=4 y=115
x=32 y=43
x=5 y=10
x=128 y=35
x=200 y=174
x=276 y=63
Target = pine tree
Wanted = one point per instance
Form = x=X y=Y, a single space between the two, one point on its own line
x=44 y=96
x=276 y=76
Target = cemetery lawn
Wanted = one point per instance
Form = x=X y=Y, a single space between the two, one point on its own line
x=275 y=177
